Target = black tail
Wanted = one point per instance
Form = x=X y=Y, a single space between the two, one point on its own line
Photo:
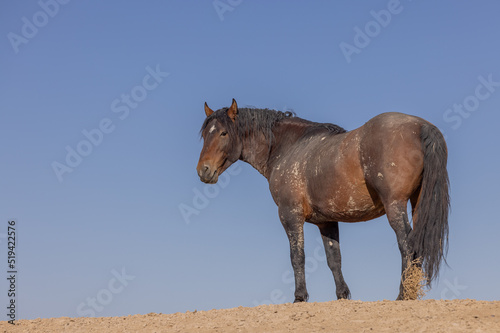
x=429 y=238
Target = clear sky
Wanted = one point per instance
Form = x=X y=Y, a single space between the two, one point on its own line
x=101 y=107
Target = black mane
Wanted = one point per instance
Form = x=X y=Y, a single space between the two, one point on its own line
x=253 y=120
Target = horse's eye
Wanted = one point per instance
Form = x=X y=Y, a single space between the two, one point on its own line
x=223 y=134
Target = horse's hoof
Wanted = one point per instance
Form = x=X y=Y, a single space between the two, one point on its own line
x=345 y=294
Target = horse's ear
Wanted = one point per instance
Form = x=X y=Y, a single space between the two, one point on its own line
x=208 y=111
x=233 y=110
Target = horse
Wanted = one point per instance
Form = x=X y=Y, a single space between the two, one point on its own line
x=322 y=174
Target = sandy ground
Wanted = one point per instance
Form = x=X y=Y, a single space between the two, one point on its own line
x=336 y=316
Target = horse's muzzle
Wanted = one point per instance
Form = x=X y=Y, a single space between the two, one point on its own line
x=207 y=175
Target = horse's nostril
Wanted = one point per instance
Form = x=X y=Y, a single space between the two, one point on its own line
x=203 y=170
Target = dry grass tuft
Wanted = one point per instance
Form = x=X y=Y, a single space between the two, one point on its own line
x=415 y=282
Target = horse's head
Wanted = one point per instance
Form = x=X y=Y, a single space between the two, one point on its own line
x=221 y=143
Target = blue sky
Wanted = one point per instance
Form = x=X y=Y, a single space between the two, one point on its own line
x=124 y=83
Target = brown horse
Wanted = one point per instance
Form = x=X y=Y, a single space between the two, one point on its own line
x=321 y=174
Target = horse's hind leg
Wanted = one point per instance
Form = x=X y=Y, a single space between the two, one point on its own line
x=398 y=219
x=413 y=200
x=330 y=235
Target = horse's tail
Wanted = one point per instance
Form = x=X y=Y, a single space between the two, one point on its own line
x=429 y=237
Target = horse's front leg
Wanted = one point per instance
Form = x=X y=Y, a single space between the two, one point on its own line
x=294 y=227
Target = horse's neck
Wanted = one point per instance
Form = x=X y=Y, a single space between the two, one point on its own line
x=256 y=150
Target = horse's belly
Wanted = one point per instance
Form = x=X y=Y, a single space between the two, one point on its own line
x=359 y=214
x=356 y=215
x=347 y=206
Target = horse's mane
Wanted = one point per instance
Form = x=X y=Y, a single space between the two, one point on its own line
x=253 y=120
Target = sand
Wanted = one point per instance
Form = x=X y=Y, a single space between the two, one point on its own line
x=336 y=316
